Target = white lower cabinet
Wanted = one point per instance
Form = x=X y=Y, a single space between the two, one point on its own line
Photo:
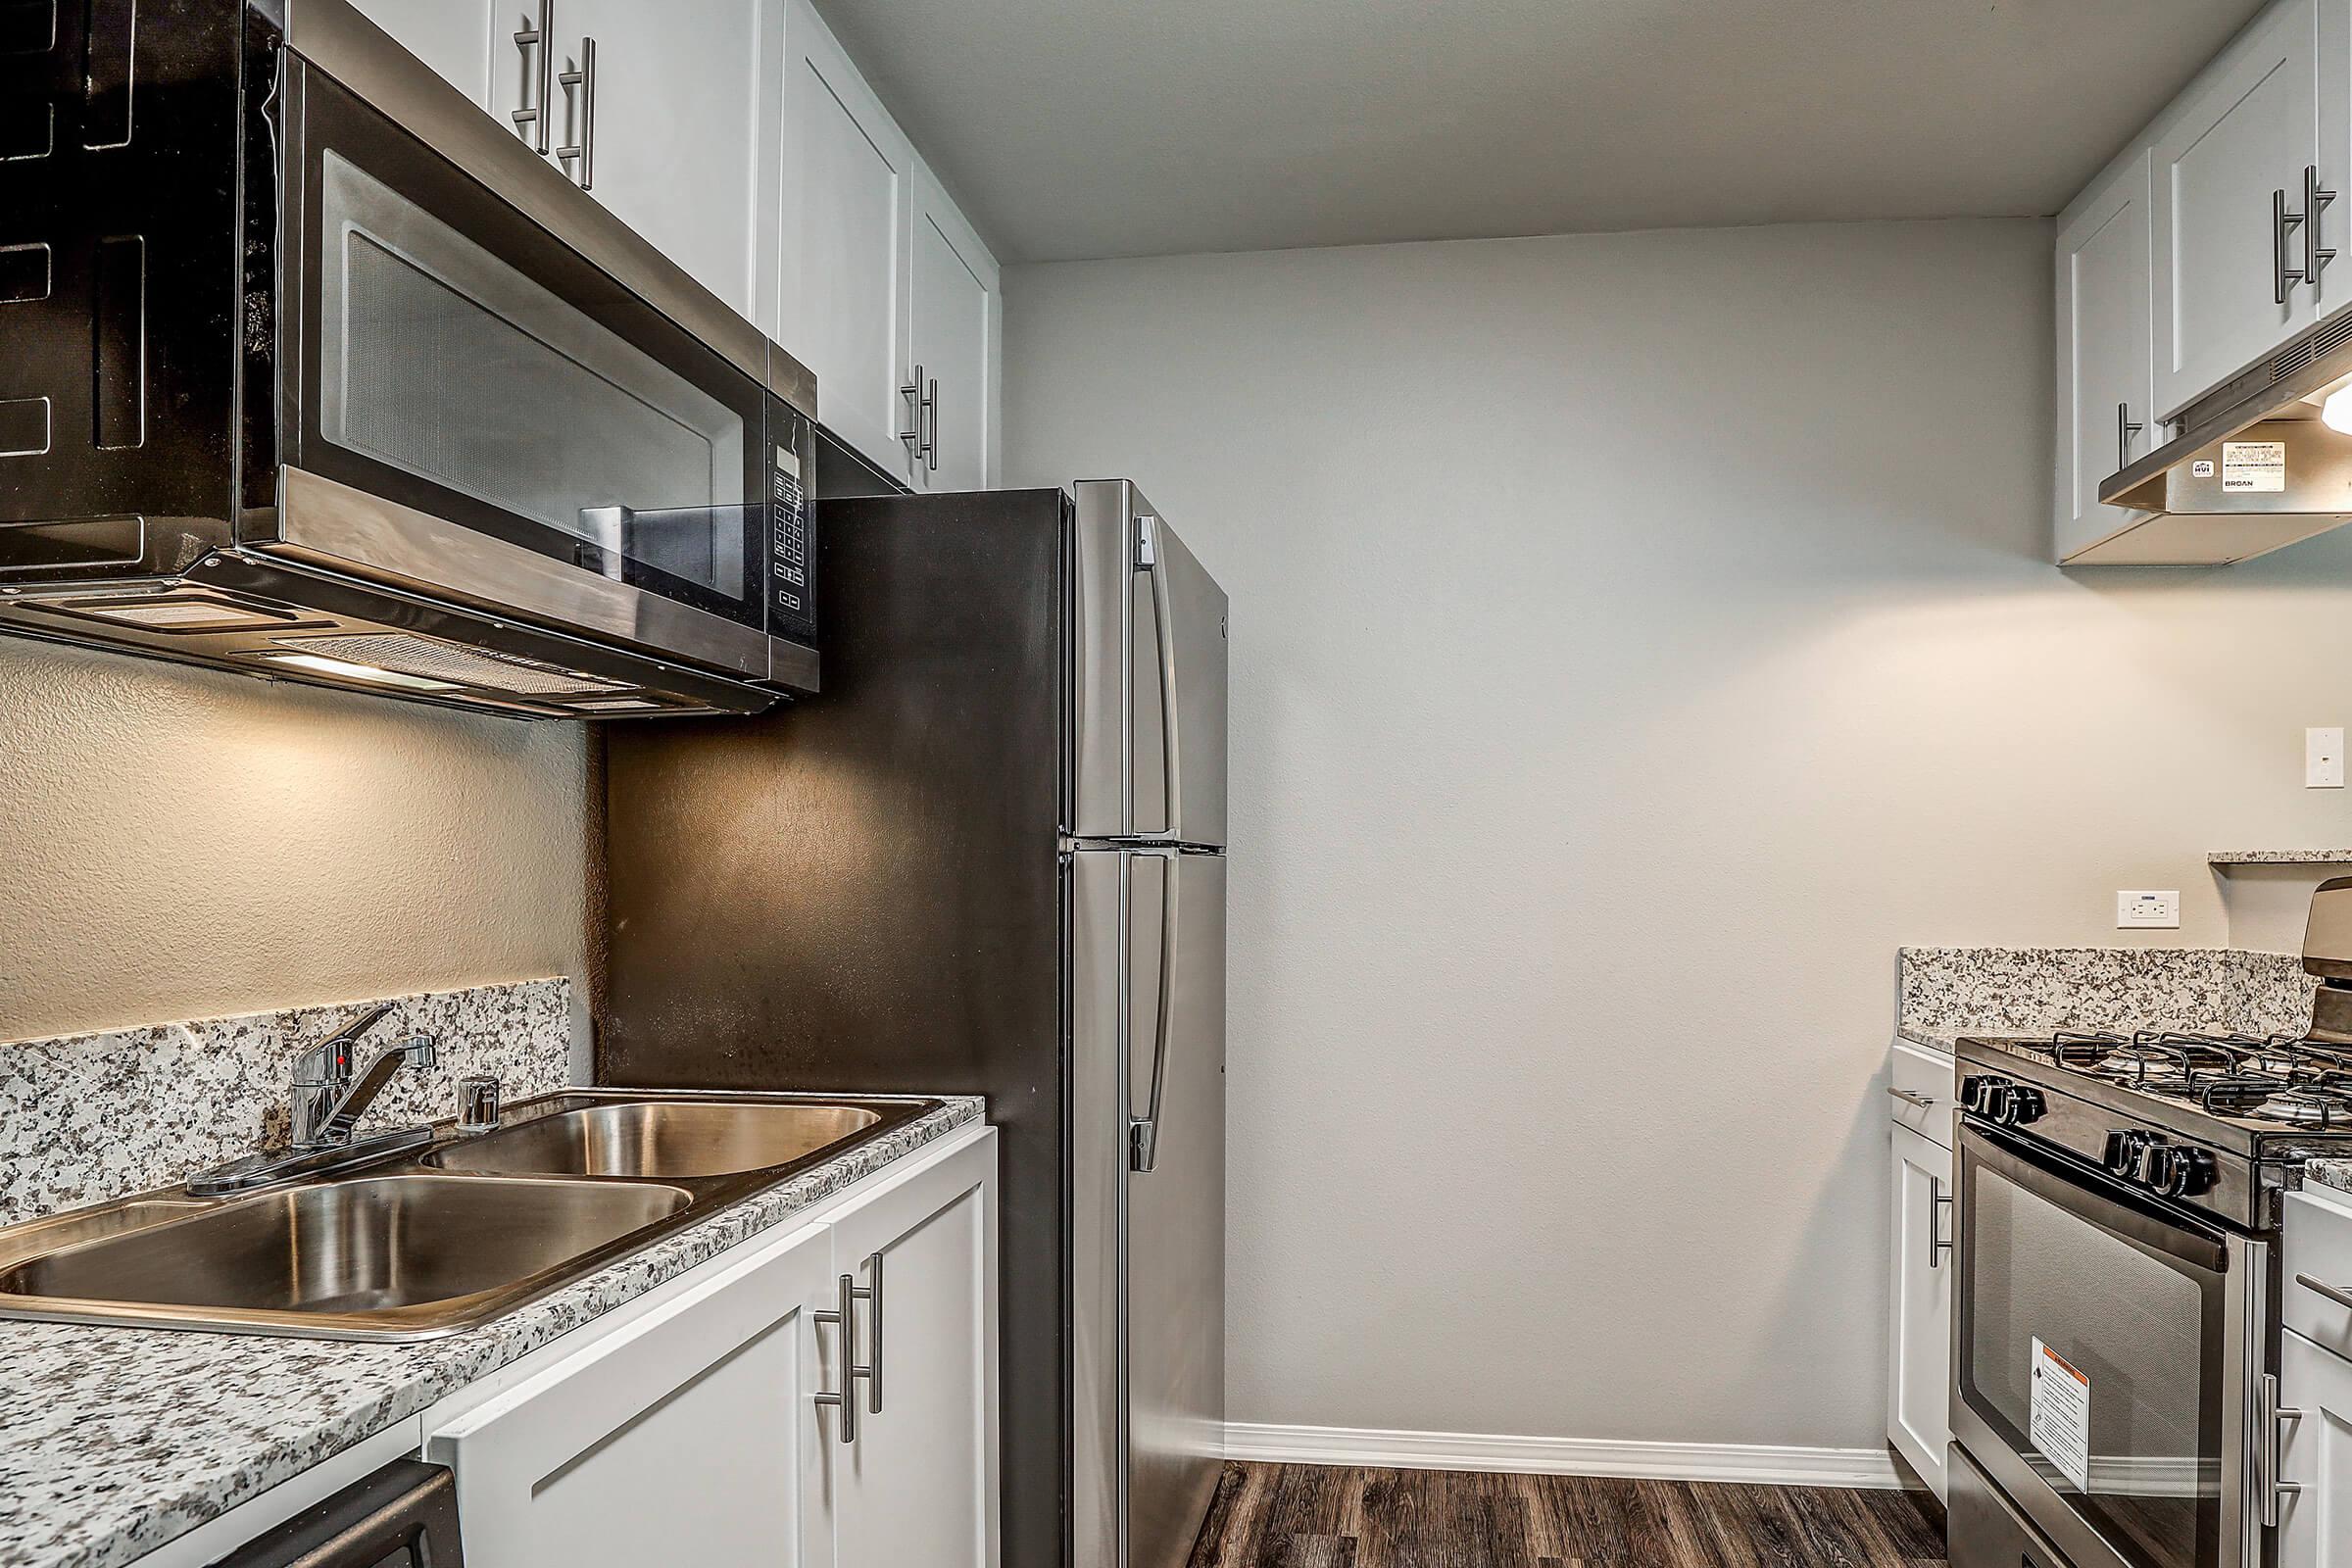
x=1920 y=1299
x=704 y=1430
x=2315 y=1523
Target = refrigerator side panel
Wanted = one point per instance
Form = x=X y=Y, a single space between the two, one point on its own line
x=1175 y=1201
x=1097 y=1164
x=1177 y=692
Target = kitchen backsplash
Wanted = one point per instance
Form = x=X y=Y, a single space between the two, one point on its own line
x=91 y=1117
x=1947 y=992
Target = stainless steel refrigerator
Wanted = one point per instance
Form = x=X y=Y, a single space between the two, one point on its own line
x=989 y=858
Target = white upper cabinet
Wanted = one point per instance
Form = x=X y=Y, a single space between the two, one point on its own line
x=2233 y=243
x=669 y=115
x=2106 y=354
x=957 y=328
x=453 y=36
x=842 y=295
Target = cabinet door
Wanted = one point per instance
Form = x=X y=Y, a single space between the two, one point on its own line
x=453 y=36
x=920 y=1484
x=2241 y=136
x=689 y=1435
x=2315 y=1527
x=681 y=125
x=841 y=294
x=956 y=312
x=1919 y=1379
x=2106 y=353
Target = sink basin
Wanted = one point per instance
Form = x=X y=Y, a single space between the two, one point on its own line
x=391 y=1247
x=411 y=1246
x=662 y=1139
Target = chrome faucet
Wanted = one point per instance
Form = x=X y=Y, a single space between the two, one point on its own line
x=329 y=1097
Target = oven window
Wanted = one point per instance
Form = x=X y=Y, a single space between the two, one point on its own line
x=2140 y=1318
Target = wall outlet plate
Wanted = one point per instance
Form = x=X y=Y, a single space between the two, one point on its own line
x=2324 y=758
x=2145 y=911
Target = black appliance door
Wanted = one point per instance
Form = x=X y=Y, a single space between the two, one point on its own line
x=2100 y=1356
x=402 y=1516
x=452 y=357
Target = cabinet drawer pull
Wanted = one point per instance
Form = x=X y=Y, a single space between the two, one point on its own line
x=2283 y=276
x=2336 y=1293
x=873 y=1371
x=845 y=1316
x=1912 y=1097
x=539 y=69
x=912 y=392
x=583 y=149
x=2314 y=255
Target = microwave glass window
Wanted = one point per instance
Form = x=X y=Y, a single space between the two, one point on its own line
x=438 y=359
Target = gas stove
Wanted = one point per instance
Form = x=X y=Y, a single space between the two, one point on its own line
x=2219 y=1122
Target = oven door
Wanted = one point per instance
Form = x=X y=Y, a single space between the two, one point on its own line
x=468 y=405
x=2104 y=1349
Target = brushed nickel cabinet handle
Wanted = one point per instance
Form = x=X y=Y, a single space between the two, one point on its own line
x=2269 y=1445
x=912 y=392
x=873 y=1370
x=2339 y=1296
x=540 y=70
x=931 y=441
x=2314 y=255
x=1937 y=1244
x=2283 y=276
x=583 y=149
x=1912 y=1097
x=845 y=1316
x=2126 y=431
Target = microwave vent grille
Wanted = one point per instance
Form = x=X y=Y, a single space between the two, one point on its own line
x=425 y=658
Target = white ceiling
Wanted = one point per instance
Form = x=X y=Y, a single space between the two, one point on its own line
x=1124 y=127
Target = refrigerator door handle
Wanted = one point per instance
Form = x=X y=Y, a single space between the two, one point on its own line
x=1163 y=638
x=1142 y=1132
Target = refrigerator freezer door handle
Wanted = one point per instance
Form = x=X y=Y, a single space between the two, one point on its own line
x=1142 y=1132
x=1163 y=633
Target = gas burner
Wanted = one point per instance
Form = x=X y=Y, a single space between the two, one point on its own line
x=2318 y=1107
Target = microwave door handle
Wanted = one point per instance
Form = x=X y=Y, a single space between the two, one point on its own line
x=1142 y=1132
x=1163 y=631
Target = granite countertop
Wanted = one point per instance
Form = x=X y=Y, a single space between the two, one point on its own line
x=115 y=1440
x=1946 y=992
x=2279 y=857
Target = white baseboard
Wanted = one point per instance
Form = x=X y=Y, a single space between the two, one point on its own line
x=1506 y=1454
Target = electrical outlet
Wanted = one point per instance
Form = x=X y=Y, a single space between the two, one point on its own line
x=2147 y=912
x=2322 y=759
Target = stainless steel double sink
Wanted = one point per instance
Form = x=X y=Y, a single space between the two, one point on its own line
x=436 y=1241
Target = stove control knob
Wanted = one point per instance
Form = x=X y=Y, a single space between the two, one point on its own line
x=1984 y=1094
x=2023 y=1104
x=2182 y=1172
x=2124 y=1151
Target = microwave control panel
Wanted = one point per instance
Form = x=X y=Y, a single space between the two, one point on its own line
x=791 y=596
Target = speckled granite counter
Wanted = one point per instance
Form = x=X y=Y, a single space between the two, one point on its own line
x=1944 y=993
x=115 y=1440
x=2336 y=1173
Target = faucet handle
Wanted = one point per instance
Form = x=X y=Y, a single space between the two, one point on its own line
x=477 y=1104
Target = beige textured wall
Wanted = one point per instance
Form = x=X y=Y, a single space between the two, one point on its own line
x=181 y=844
x=1636 y=639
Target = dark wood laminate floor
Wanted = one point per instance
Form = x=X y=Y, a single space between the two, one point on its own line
x=1319 y=1516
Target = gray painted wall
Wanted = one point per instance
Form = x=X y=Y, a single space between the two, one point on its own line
x=183 y=844
x=1636 y=639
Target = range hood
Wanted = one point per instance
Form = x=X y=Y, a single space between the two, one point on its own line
x=2252 y=468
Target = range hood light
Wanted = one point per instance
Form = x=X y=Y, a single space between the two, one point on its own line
x=2336 y=413
x=344 y=669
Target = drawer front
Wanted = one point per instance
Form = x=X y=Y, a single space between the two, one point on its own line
x=1920 y=1091
x=2319 y=1247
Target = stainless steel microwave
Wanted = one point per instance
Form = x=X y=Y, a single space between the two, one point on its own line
x=310 y=368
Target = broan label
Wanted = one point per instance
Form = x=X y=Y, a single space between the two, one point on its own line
x=2251 y=467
